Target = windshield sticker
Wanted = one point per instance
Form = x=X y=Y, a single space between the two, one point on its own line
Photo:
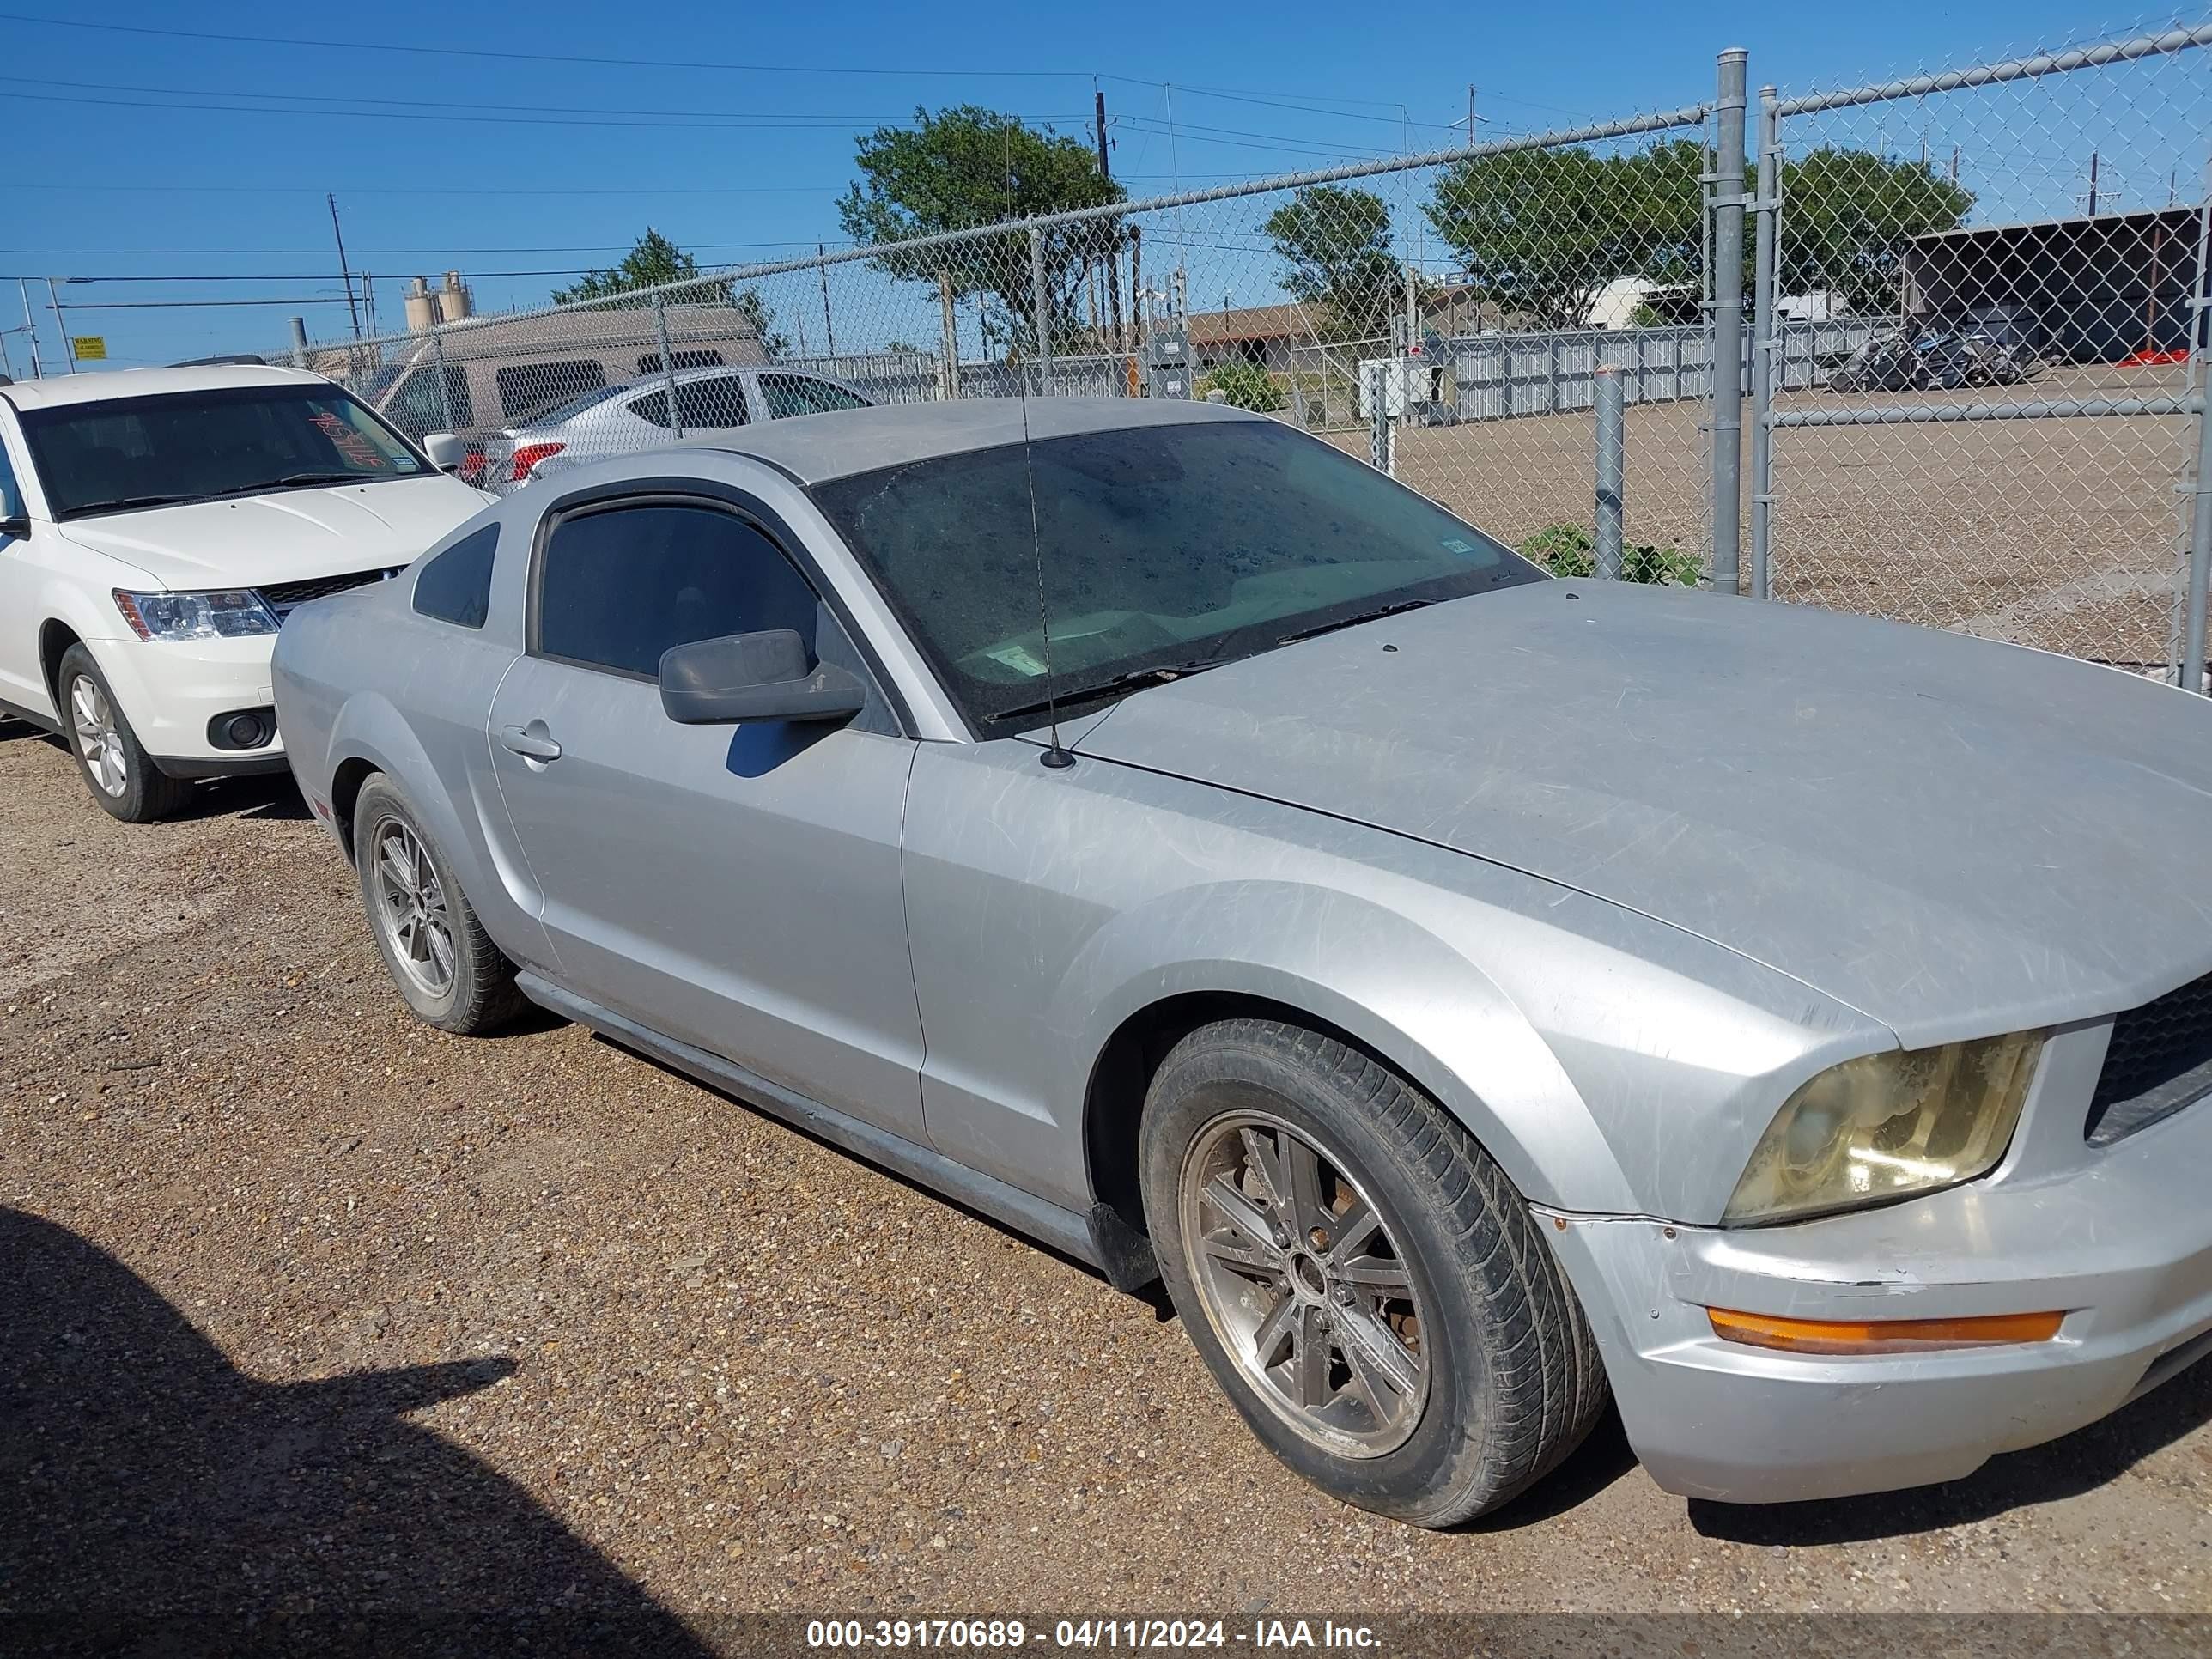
x=1017 y=657
x=1454 y=544
x=402 y=464
x=354 y=448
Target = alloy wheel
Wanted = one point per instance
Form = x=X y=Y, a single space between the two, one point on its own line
x=1299 y=1277
x=411 y=902
x=99 y=738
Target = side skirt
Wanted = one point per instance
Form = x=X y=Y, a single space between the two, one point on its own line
x=1091 y=1239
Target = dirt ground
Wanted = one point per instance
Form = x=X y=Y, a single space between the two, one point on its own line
x=311 y=1316
x=2067 y=534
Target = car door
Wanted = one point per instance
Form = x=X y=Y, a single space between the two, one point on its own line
x=21 y=681
x=735 y=887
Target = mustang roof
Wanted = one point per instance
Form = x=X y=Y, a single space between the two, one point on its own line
x=817 y=447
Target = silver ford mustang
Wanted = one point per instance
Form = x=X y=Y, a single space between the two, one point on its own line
x=1469 y=992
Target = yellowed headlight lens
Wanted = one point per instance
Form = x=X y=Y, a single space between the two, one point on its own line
x=1886 y=1126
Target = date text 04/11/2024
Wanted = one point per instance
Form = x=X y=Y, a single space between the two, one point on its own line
x=1109 y=1634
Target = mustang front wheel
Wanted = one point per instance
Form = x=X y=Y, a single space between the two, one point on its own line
x=1361 y=1278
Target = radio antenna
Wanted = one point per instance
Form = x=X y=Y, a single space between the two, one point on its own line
x=1056 y=754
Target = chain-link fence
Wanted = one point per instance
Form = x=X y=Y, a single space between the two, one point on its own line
x=2007 y=453
x=1959 y=309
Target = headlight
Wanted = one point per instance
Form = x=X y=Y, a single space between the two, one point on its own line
x=1887 y=1126
x=229 y=616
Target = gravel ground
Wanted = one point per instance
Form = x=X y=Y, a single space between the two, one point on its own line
x=310 y=1314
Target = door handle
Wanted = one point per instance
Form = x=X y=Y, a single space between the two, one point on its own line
x=530 y=745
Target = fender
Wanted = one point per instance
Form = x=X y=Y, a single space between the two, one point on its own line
x=1399 y=989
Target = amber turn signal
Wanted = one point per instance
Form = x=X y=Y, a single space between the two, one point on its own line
x=1881 y=1335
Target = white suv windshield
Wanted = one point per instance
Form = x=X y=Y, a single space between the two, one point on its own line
x=126 y=452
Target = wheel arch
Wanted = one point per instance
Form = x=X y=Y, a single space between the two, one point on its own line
x=55 y=638
x=1403 y=997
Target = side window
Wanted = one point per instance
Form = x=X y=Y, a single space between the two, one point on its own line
x=702 y=406
x=704 y=358
x=618 y=586
x=787 y=395
x=11 y=498
x=526 y=389
x=418 y=410
x=456 y=586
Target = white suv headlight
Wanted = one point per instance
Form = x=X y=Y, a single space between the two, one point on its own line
x=1888 y=1125
x=237 y=613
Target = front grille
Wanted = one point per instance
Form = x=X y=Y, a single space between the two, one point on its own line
x=2160 y=1058
x=282 y=597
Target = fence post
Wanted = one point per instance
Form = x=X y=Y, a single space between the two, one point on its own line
x=1728 y=200
x=949 y=326
x=1041 y=300
x=1382 y=432
x=1612 y=470
x=667 y=365
x=445 y=392
x=2200 y=550
x=1764 y=326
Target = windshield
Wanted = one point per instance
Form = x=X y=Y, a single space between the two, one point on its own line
x=1165 y=549
x=126 y=452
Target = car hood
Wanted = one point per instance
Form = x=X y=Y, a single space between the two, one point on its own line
x=1954 y=836
x=293 y=535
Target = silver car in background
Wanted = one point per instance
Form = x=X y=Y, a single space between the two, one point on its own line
x=1469 y=992
x=649 y=413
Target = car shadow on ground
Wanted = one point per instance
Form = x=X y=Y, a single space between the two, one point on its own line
x=161 y=1501
x=272 y=796
x=2081 y=1462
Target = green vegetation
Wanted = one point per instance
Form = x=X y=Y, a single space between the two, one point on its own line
x=1247 y=386
x=1566 y=550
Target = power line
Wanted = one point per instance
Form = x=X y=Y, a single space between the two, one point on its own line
x=170 y=252
x=541 y=109
x=472 y=120
x=473 y=191
x=536 y=56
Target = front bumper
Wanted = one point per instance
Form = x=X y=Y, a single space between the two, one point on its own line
x=2121 y=1241
x=170 y=689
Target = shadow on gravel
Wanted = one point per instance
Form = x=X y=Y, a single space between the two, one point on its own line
x=272 y=798
x=158 y=1501
x=2081 y=1462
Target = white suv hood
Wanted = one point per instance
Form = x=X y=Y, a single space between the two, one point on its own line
x=293 y=535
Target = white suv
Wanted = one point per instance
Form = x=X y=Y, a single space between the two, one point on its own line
x=156 y=526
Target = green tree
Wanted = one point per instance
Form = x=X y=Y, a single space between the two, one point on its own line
x=966 y=167
x=1847 y=216
x=653 y=261
x=656 y=261
x=1541 y=231
x=1336 y=244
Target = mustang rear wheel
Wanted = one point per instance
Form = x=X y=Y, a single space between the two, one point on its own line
x=1363 y=1280
x=443 y=963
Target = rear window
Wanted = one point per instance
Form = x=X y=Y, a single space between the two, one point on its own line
x=418 y=409
x=526 y=389
x=456 y=586
x=787 y=395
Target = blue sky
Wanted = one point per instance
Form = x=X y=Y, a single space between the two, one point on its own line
x=106 y=175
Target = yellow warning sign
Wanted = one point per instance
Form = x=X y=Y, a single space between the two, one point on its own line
x=89 y=347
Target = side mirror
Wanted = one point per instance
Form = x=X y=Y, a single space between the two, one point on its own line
x=15 y=525
x=445 y=450
x=755 y=677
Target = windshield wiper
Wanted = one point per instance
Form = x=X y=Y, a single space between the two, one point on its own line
x=302 y=480
x=1132 y=680
x=1390 y=609
x=124 y=503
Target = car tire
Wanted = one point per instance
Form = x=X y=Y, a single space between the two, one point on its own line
x=444 y=965
x=1494 y=1376
x=121 y=776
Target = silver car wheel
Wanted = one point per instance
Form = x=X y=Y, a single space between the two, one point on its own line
x=98 y=739
x=411 y=906
x=1303 y=1284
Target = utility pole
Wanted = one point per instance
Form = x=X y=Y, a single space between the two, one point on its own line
x=1470 y=111
x=822 y=270
x=1114 y=238
x=2093 y=184
x=1954 y=164
x=61 y=324
x=345 y=275
x=30 y=326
